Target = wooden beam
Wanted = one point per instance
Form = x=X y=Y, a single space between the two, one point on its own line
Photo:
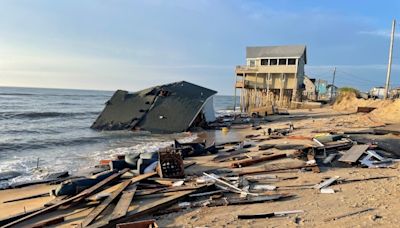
x=97 y=211
x=28 y=197
x=266 y=170
x=75 y=198
x=123 y=204
x=149 y=208
x=249 y=162
x=347 y=214
x=327 y=182
x=56 y=220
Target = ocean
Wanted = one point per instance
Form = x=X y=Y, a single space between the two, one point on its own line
x=47 y=130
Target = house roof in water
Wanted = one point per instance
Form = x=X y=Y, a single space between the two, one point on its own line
x=163 y=109
x=294 y=51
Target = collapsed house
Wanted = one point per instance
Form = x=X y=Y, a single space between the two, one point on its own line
x=168 y=108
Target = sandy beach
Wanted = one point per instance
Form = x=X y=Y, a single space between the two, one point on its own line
x=381 y=195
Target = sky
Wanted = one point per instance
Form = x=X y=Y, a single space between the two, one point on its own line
x=109 y=45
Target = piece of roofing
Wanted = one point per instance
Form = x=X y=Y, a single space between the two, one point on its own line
x=288 y=51
x=166 y=108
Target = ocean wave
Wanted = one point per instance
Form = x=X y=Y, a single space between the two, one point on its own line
x=75 y=161
x=55 y=95
x=44 y=144
x=39 y=115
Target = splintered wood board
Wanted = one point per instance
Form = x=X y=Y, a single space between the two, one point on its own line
x=354 y=153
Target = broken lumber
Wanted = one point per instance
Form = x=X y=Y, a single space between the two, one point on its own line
x=28 y=197
x=149 y=208
x=346 y=181
x=266 y=146
x=97 y=211
x=123 y=204
x=56 y=220
x=265 y=170
x=327 y=182
x=237 y=190
x=239 y=201
x=249 y=162
x=207 y=193
x=348 y=214
x=75 y=198
x=352 y=155
x=227 y=156
x=269 y=215
x=151 y=223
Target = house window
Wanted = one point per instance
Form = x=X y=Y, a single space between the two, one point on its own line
x=282 y=61
x=291 y=61
x=264 y=61
x=273 y=62
x=252 y=63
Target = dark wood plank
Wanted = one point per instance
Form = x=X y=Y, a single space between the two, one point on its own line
x=123 y=204
x=97 y=211
x=249 y=162
x=150 y=208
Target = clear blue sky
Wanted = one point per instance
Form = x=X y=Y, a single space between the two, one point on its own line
x=111 y=45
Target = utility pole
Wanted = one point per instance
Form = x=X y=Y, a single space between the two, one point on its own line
x=333 y=83
x=389 y=69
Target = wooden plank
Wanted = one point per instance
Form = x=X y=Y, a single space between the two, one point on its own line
x=251 y=200
x=249 y=162
x=355 y=152
x=28 y=197
x=56 y=220
x=148 y=208
x=269 y=215
x=348 y=214
x=75 y=198
x=274 y=169
x=23 y=214
x=123 y=204
x=229 y=155
x=97 y=211
x=327 y=182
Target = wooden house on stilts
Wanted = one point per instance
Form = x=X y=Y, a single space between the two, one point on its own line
x=272 y=76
